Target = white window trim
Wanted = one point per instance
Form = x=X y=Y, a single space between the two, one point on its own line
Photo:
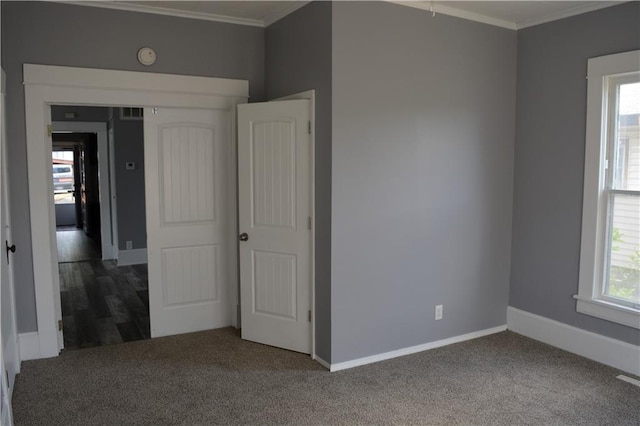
x=594 y=209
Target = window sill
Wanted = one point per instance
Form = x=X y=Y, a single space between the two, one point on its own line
x=608 y=311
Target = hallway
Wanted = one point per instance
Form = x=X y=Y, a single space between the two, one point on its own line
x=75 y=246
x=102 y=303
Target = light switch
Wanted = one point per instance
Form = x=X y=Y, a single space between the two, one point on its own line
x=130 y=165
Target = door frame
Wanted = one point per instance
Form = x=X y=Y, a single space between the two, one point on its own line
x=53 y=85
x=104 y=188
x=5 y=211
x=310 y=95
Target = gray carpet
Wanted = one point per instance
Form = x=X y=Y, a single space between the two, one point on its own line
x=214 y=377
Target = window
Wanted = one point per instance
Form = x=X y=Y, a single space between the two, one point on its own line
x=609 y=283
x=63 y=180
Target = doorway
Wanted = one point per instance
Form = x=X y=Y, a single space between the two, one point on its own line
x=46 y=85
x=103 y=300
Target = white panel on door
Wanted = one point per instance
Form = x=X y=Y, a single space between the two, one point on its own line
x=187 y=171
x=274 y=285
x=274 y=187
x=274 y=174
x=190 y=275
x=192 y=266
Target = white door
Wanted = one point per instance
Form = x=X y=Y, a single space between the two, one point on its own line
x=189 y=230
x=10 y=354
x=274 y=187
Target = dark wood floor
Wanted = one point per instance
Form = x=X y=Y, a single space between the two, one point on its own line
x=75 y=246
x=103 y=304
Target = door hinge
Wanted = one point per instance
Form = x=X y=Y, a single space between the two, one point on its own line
x=309 y=222
x=49 y=130
x=309 y=128
x=154 y=110
x=59 y=325
x=309 y=315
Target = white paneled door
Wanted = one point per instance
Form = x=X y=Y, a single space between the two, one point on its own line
x=190 y=255
x=274 y=184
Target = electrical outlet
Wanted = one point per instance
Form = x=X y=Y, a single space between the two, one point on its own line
x=438 y=312
x=129 y=245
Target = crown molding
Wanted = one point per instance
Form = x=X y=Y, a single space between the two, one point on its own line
x=291 y=7
x=438 y=8
x=165 y=11
x=568 y=13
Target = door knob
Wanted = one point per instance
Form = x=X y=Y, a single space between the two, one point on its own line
x=10 y=248
x=244 y=237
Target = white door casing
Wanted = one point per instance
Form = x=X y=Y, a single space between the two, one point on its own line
x=104 y=190
x=10 y=351
x=189 y=206
x=113 y=202
x=46 y=85
x=274 y=193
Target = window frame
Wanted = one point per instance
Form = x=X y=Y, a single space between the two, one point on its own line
x=603 y=74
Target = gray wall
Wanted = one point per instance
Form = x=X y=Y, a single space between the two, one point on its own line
x=128 y=136
x=82 y=113
x=549 y=160
x=70 y=35
x=423 y=130
x=298 y=52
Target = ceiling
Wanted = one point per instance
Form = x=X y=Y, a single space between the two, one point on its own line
x=508 y=14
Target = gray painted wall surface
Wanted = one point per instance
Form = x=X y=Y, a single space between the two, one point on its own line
x=83 y=113
x=423 y=131
x=298 y=52
x=128 y=137
x=549 y=160
x=70 y=35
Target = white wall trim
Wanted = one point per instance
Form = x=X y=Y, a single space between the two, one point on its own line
x=292 y=6
x=615 y=353
x=451 y=10
x=167 y=12
x=29 y=344
x=577 y=10
x=132 y=257
x=51 y=85
x=437 y=8
x=413 y=349
x=94 y=78
x=323 y=363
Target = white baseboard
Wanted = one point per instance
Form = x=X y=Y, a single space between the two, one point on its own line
x=29 y=344
x=132 y=257
x=323 y=363
x=410 y=350
x=614 y=353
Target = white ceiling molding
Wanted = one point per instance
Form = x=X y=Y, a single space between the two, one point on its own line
x=596 y=5
x=451 y=10
x=274 y=17
x=166 y=11
x=438 y=8
x=444 y=7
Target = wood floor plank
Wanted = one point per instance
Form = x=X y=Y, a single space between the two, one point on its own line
x=69 y=332
x=65 y=303
x=108 y=331
x=86 y=328
x=103 y=303
x=76 y=246
x=119 y=311
x=129 y=332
